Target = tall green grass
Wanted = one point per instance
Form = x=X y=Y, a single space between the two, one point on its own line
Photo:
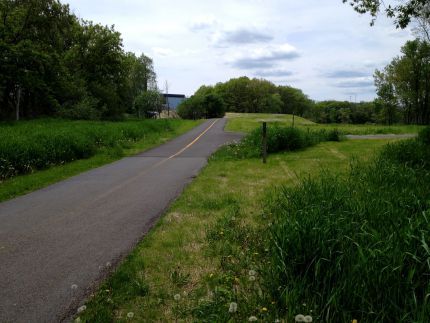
x=278 y=139
x=34 y=145
x=356 y=247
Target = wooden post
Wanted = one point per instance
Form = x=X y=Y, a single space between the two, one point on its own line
x=264 y=142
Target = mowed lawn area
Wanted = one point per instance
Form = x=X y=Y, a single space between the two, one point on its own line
x=36 y=153
x=207 y=258
x=246 y=122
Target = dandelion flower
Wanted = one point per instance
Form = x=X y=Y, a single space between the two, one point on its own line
x=264 y=309
x=299 y=318
x=233 y=307
x=74 y=287
x=130 y=315
x=354 y=321
x=177 y=297
x=251 y=278
x=81 y=309
x=252 y=319
x=252 y=273
x=308 y=319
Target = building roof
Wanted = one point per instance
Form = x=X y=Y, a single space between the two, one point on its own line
x=182 y=96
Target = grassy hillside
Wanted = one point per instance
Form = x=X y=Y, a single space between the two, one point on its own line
x=246 y=122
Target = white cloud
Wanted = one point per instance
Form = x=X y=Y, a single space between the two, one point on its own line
x=204 y=22
x=205 y=42
x=159 y=51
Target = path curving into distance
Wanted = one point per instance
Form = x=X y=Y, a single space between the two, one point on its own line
x=71 y=232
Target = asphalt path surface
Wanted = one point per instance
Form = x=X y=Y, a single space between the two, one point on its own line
x=57 y=243
x=382 y=136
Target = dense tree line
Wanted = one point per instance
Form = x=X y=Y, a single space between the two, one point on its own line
x=245 y=95
x=403 y=86
x=346 y=112
x=52 y=63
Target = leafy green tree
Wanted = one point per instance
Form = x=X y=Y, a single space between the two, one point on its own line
x=402 y=12
x=33 y=34
x=204 y=104
x=294 y=101
x=52 y=63
x=214 y=106
x=148 y=102
x=404 y=85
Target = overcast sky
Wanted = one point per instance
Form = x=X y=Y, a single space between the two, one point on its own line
x=320 y=46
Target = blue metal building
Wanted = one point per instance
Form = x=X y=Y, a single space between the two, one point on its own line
x=173 y=100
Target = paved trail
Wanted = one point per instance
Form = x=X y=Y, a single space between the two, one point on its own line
x=382 y=136
x=68 y=233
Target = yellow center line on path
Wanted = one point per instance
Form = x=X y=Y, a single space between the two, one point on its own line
x=194 y=141
x=144 y=172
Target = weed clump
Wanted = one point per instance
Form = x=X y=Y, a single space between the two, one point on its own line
x=357 y=247
x=278 y=139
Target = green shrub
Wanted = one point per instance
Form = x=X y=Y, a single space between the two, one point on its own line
x=86 y=109
x=278 y=139
x=356 y=248
x=424 y=136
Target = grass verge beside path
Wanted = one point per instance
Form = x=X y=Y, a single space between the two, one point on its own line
x=246 y=122
x=206 y=252
x=22 y=184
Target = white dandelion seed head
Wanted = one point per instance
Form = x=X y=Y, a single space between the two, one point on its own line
x=177 y=297
x=130 y=315
x=251 y=278
x=308 y=319
x=299 y=318
x=81 y=309
x=277 y=321
x=252 y=273
x=74 y=287
x=233 y=307
x=252 y=319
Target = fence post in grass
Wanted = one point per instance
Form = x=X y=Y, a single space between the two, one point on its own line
x=264 y=141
